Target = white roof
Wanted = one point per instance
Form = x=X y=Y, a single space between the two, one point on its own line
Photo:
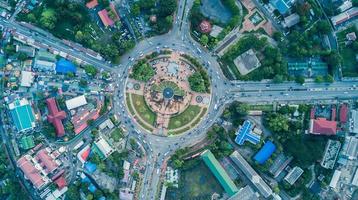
x=104 y=147
x=76 y=102
x=18 y=103
x=355 y=178
x=335 y=178
x=126 y=165
x=108 y=123
x=44 y=64
x=27 y=78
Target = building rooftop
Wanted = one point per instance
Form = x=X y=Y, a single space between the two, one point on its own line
x=64 y=66
x=330 y=154
x=27 y=142
x=247 y=62
x=76 y=102
x=293 y=175
x=46 y=160
x=322 y=126
x=104 y=147
x=22 y=114
x=106 y=20
x=27 y=78
x=55 y=116
x=291 y=20
x=244 y=133
x=91 y=4
x=31 y=172
x=265 y=152
x=344 y=16
x=343 y=113
x=335 y=179
x=219 y=172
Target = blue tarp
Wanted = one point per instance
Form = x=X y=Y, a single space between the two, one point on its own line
x=64 y=66
x=92 y=188
x=265 y=152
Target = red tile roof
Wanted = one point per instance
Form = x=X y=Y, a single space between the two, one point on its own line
x=113 y=8
x=92 y=4
x=85 y=154
x=312 y=113
x=322 y=126
x=205 y=26
x=46 y=161
x=31 y=172
x=103 y=14
x=79 y=121
x=343 y=112
x=55 y=116
x=61 y=182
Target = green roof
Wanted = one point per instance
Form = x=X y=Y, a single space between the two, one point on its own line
x=22 y=116
x=219 y=172
x=27 y=142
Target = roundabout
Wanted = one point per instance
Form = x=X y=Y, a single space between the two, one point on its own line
x=167 y=92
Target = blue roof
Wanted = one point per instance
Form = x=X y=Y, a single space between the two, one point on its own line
x=86 y=180
x=64 y=66
x=92 y=188
x=281 y=5
x=90 y=167
x=245 y=133
x=265 y=152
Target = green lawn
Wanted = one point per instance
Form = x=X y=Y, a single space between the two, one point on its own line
x=195 y=183
x=142 y=109
x=117 y=134
x=350 y=64
x=185 y=117
x=266 y=107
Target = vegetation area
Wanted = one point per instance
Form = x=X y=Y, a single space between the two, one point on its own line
x=142 y=109
x=142 y=71
x=162 y=10
x=185 y=117
x=272 y=64
x=10 y=188
x=117 y=134
x=348 y=51
x=199 y=81
x=196 y=17
x=71 y=20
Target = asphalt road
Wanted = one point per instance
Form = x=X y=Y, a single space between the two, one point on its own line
x=160 y=148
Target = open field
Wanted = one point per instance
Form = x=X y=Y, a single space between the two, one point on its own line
x=184 y=118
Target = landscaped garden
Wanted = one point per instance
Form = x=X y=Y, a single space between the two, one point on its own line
x=185 y=117
x=142 y=109
x=348 y=52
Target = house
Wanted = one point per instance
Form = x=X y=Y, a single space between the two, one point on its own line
x=106 y=20
x=55 y=116
x=335 y=179
x=29 y=51
x=247 y=62
x=291 y=20
x=205 y=26
x=343 y=113
x=103 y=148
x=344 y=16
x=293 y=175
x=91 y=4
x=45 y=61
x=322 y=126
x=351 y=36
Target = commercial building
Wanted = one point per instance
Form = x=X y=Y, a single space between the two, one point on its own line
x=330 y=154
x=76 y=102
x=345 y=16
x=354 y=122
x=103 y=148
x=335 y=179
x=91 y=4
x=355 y=178
x=245 y=193
x=343 y=113
x=245 y=133
x=55 y=116
x=293 y=175
x=83 y=116
x=350 y=147
x=251 y=174
x=64 y=66
x=265 y=152
x=29 y=51
x=215 y=31
x=322 y=126
x=27 y=78
x=247 y=62
x=219 y=172
x=22 y=115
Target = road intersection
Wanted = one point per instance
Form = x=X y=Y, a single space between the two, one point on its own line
x=159 y=148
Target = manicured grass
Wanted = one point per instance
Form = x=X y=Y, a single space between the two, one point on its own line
x=142 y=109
x=350 y=64
x=117 y=135
x=129 y=104
x=192 y=125
x=266 y=107
x=185 y=117
x=195 y=183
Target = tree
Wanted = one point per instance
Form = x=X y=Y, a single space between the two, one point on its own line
x=196 y=82
x=333 y=59
x=31 y=17
x=83 y=83
x=204 y=39
x=72 y=193
x=276 y=122
x=22 y=56
x=329 y=78
x=90 y=122
x=91 y=70
x=355 y=3
x=135 y=9
x=319 y=79
x=300 y=79
x=48 y=18
x=79 y=36
x=277 y=79
x=142 y=72
x=323 y=27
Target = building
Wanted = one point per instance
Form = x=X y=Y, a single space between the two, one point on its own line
x=91 y=4
x=244 y=133
x=76 y=102
x=22 y=115
x=64 y=66
x=345 y=6
x=126 y=194
x=106 y=124
x=322 y=126
x=251 y=174
x=29 y=51
x=354 y=122
x=102 y=147
x=245 y=193
x=265 y=152
x=350 y=147
x=83 y=116
x=27 y=78
x=293 y=175
x=351 y=36
x=55 y=116
x=283 y=6
x=330 y=154
x=343 y=113
x=33 y=174
x=106 y=20
x=291 y=20
x=335 y=179
x=247 y=62
x=355 y=178
x=205 y=26
x=215 y=31
x=219 y=173
x=345 y=16
x=279 y=164
x=45 y=61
